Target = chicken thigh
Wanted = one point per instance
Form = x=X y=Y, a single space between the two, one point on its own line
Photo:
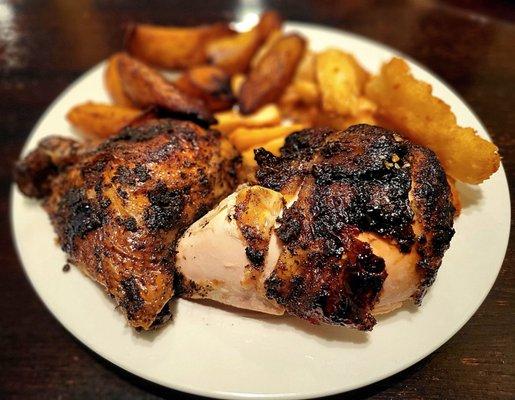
x=118 y=208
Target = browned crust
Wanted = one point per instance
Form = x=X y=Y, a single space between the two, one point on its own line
x=351 y=181
x=255 y=214
x=146 y=88
x=209 y=83
x=119 y=209
x=33 y=174
x=433 y=204
x=257 y=243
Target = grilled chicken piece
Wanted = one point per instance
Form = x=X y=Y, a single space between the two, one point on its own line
x=220 y=269
x=119 y=208
x=348 y=224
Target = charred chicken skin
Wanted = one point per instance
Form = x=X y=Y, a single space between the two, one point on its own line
x=119 y=208
x=344 y=225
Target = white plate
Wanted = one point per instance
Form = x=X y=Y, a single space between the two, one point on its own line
x=220 y=352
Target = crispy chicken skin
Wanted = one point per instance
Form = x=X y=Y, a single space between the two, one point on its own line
x=353 y=187
x=119 y=208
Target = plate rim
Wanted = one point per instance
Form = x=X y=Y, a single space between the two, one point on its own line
x=290 y=25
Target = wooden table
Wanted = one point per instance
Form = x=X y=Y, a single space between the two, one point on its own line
x=45 y=45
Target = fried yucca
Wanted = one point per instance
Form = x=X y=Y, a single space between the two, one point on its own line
x=409 y=104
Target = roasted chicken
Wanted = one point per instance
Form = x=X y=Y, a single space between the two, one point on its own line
x=119 y=208
x=344 y=225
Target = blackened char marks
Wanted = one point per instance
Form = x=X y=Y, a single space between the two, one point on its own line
x=139 y=133
x=180 y=130
x=431 y=194
x=267 y=173
x=166 y=206
x=352 y=181
x=255 y=213
x=122 y=194
x=124 y=176
x=164 y=315
x=129 y=223
x=305 y=143
x=257 y=241
x=324 y=274
x=132 y=300
x=131 y=176
x=77 y=216
x=94 y=167
x=376 y=205
x=298 y=150
x=141 y=173
x=255 y=256
x=291 y=225
x=119 y=208
x=361 y=175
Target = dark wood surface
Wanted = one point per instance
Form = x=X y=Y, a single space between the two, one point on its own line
x=45 y=45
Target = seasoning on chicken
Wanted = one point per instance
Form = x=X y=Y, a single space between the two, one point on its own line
x=119 y=208
x=348 y=224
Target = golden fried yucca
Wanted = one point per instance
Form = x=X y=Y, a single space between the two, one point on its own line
x=409 y=104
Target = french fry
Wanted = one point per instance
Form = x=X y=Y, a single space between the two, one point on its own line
x=209 y=83
x=101 y=120
x=268 y=115
x=341 y=80
x=423 y=118
x=268 y=79
x=173 y=47
x=113 y=82
x=146 y=87
x=244 y=138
